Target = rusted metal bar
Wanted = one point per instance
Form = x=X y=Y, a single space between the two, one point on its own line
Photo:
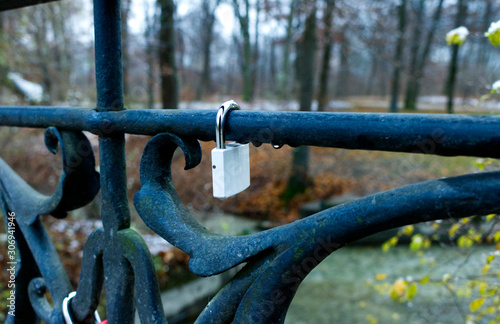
x=466 y=135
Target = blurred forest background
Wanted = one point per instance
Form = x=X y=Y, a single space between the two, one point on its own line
x=206 y=50
x=325 y=55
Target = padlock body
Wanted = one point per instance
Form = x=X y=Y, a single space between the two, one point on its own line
x=230 y=170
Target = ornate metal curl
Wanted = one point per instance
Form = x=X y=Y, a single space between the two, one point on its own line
x=277 y=260
x=115 y=256
x=77 y=186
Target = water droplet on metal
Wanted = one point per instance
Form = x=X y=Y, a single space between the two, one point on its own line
x=277 y=146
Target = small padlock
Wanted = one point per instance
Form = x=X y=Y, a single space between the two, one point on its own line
x=67 y=316
x=231 y=162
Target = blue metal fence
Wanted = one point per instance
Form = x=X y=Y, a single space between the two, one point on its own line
x=276 y=261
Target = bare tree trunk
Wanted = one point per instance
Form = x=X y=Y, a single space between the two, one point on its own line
x=150 y=54
x=125 y=9
x=342 y=87
x=371 y=81
x=255 y=53
x=150 y=86
x=451 y=80
x=327 y=51
x=207 y=38
x=453 y=67
x=168 y=68
x=284 y=76
x=384 y=78
x=398 y=57
x=244 y=19
x=413 y=87
x=63 y=39
x=410 y=100
x=482 y=57
x=306 y=52
x=41 y=51
x=271 y=84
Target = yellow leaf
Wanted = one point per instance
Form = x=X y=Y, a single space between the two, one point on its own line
x=416 y=242
x=394 y=295
x=494 y=38
x=483 y=286
x=412 y=291
x=490 y=258
x=435 y=226
x=485 y=269
x=465 y=220
x=380 y=276
x=490 y=217
x=453 y=229
x=424 y=280
x=408 y=230
x=465 y=242
x=398 y=289
x=389 y=243
x=371 y=319
x=476 y=304
x=496 y=237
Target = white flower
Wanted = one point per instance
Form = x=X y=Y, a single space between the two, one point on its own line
x=494 y=27
x=495 y=88
x=457 y=36
x=493 y=33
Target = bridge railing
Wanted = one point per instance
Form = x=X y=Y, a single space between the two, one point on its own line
x=276 y=261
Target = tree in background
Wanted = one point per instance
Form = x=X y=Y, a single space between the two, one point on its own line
x=479 y=289
x=150 y=31
x=43 y=47
x=250 y=53
x=342 y=88
x=207 y=36
x=168 y=68
x=125 y=10
x=327 y=50
x=398 y=57
x=420 y=56
x=284 y=75
x=482 y=51
x=305 y=62
x=455 y=38
x=376 y=34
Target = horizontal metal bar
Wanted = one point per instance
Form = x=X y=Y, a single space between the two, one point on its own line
x=14 y=4
x=448 y=135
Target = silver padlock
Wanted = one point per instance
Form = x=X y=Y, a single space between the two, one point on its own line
x=65 y=309
x=231 y=162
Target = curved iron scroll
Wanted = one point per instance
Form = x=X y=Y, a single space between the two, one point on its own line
x=77 y=186
x=277 y=260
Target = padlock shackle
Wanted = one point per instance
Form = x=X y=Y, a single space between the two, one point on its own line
x=225 y=108
x=66 y=312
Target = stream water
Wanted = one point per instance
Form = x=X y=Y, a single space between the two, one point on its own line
x=341 y=288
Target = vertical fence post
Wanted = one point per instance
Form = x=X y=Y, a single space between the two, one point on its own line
x=115 y=212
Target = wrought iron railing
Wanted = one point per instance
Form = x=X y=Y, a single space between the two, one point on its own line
x=276 y=261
